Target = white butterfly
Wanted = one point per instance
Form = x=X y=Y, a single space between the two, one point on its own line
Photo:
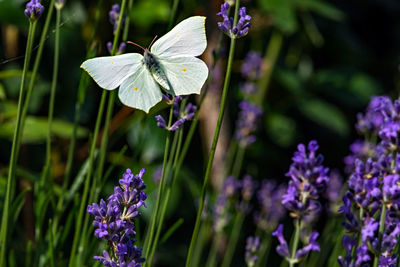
x=171 y=63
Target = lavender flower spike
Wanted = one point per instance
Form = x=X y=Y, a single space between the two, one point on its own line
x=34 y=10
x=114 y=221
x=252 y=247
x=243 y=24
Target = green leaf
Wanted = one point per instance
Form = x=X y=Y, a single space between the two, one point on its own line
x=283 y=13
x=147 y=12
x=325 y=114
x=36 y=129
x=281 y=129
x=321 y=8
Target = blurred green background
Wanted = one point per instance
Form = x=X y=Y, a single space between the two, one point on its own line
x=331 y=57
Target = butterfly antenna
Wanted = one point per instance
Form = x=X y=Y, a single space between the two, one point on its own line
x=129 y=42
x=155 y=37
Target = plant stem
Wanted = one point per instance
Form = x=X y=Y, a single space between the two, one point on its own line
x=53 y=93
x=238 y=161
x=215 y=141
x=236 y=230
x=15 y=148
x=295 y=242
x=175 y=146
x=212 y=256
x=173 y=14
x=272 y=53
x=381 y=230
x=264 y=250
x=149 y=237
x=36 y=64
x=87 y=181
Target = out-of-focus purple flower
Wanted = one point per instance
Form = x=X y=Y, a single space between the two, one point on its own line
x=372 y=119
x=252 y=65
x=157 y=174
x=243 y=24
x=282 y=248
x=360 y=149
x=362 y=255
x=33 y=10
x=114 y=16
x=367 y=233
x=248 y=186
x=114 y=221
x=247 y=122
x=271 y=209
x=334 y=191
x=252 y=247
x=249 y=88
x=391 y=188
x=229 y=192
x=121 y=48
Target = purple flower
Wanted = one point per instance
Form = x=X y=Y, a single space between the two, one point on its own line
x=282 y=248
x=372 y=119
x=360 y=149
x=246 y=123
x=348 y=244
x=252 y=247
x=121 y=48
x=114 y=221
x=34 y=9
x=309 y=179
x=227 y=27
x=114 y=16
x=249 y=88
x=271 y=209
x=222 y=214
x=334 y=189
x=182 y=115
x=252 y=65
x=311 y=246
x=367 y=233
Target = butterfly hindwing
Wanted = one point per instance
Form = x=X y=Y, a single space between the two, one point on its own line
x=110 y=72
x=188 y=38
x=140 y=90
x=186 y=74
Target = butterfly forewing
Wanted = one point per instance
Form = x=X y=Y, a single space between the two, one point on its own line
x=188 y=38
x=110 y=72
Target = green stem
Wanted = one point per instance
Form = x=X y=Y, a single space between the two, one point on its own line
x=204 y=234
x=264 y=250
x=15 y=148
x=215 y=141
x=36 y=64
x=212 y=256
x=238 y=161
x=272 y=53
x=149 y=237
x=87 y=181
x=381 y=230
x=236 y=230
x=51 y=243
x=176 y=146
x=53 y=91
x=295 y=242
x=173 y=14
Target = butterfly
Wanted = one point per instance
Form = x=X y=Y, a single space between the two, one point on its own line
x=171 y=63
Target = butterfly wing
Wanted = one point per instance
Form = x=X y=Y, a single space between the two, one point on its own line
x=140 y=90
x=186 y=74
x=110 y=72
x=188 y=38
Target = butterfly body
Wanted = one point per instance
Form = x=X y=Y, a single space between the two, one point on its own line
x=156 y=69
x=171 y=63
